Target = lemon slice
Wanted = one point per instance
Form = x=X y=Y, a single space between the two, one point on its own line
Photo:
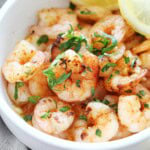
x=110 y=4
x=137 y=14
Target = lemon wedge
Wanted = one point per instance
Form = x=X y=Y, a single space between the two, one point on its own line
x=137 y=14
x=109 y=4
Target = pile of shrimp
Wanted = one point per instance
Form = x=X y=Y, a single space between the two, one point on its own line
x=81 y=74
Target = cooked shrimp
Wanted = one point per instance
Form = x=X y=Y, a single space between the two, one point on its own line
x=22 y=93
x=54 y=21
x=102 y=124
x=142 y=47
x=122 y=132
x=130 y=113
x=22 y=63
x=38 y=85
x=130 y=74
x=52 y=116
x=115 y=55
x=82 y=72
x=113 y=24
x=92 y=13
x=144 y=57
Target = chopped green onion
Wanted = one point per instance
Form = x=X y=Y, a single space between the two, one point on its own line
x=140 y=94
x=89 y=69
x=79 y=27
x=86 y=12
x=110 y=77
x=117 y=72
x=146 y=106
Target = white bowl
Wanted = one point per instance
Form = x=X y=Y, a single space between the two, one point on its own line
x=15 y=17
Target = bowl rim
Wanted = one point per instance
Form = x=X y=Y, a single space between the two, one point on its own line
x=6 y=110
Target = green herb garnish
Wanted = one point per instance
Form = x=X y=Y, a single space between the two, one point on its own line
x=105 y=101
x=17 y=86
x=110 y=77
x=78 y=83
x=89 y=69
x=126 y=59
x=93 y=91
x=140 y=94
x=64 y=109
x=86 y=12
x=27 y=118
x=107 y=66
x=33 y=99
x=117 y=72
x=79 y=27
x=46 y=115
x=128 y=91
x=146 y=106
x=83 y=117
x=42 y=39
x=98 y=132
x=72 y=6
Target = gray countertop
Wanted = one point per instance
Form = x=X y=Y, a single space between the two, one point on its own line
x=7 y=140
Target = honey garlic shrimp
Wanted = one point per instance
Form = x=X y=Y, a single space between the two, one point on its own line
x=102 y=124
x=38 y=85
x=113 y=24
x=54 y=21
x=75 y=75
x=18 y=92
x=130 y=113
x=52 y=116
x=22 y=63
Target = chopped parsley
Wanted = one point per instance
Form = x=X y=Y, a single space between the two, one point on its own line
x=33 y=99
x=73 y=42
x=43 y=39
x=78 y=83
x=98 y=132
x=17 y=86
x=52 y=81
x=64 y=109
x=72 y=6
x=104 y=40
x=140 y=94
x=46 y=115
x=93 y=91
x=27 y=118
x=89 y=69
x=86 y=12
x=126 y=59
x=83 y=117
x=107 y=66
x=79 y=27
x=146 y=106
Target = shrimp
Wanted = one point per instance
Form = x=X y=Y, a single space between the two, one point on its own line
x=54 y=21
x=122 y=132
x=92 y=13
x=142 y=47
x=23 y=93
x=38 y=85
x=113 y=24
x=81 y=75
x=130 y=74
x=102 y=124
x=115 y=55
x=144 y=57
x=52 y=116
x=130 y=113
x=22 y=63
